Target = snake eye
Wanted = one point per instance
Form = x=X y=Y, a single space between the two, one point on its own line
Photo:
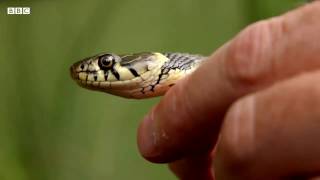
x=106 y=61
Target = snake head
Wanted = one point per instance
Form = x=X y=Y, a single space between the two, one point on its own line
x=88 y=69
x=123 y=75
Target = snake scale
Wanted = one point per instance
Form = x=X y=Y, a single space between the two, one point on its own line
x=138 y=76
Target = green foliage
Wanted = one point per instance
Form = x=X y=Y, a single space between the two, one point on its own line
x=52 y=129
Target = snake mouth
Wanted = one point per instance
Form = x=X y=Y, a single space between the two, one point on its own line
x=77 y=73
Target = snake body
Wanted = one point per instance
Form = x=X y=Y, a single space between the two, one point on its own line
x=140 y=75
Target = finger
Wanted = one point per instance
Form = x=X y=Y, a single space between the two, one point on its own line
x=188 y=118
x=273 y=133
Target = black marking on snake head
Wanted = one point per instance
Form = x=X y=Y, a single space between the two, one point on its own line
x=106 y=73
x=116 y=74
x=170 y=85
x=134 y=72
x=160 y=75
x=163 y=71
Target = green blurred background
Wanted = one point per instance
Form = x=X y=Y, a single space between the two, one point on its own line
x=50 y=129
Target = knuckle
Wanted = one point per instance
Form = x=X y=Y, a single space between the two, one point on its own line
x=250 y=57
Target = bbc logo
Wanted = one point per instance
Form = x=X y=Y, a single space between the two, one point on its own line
x=18 y=10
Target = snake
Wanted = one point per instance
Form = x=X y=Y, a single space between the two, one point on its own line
x=137 y=75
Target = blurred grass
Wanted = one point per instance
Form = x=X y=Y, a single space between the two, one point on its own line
x=52 y=129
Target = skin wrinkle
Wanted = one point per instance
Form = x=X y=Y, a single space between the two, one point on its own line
x=248 y=61
x=240 y=126
x=251 y=134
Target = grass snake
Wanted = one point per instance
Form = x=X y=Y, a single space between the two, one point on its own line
x=138 y=76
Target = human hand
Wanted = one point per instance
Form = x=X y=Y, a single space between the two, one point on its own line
x=260 y=93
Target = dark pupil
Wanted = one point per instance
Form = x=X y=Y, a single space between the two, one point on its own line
x=105 y=61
